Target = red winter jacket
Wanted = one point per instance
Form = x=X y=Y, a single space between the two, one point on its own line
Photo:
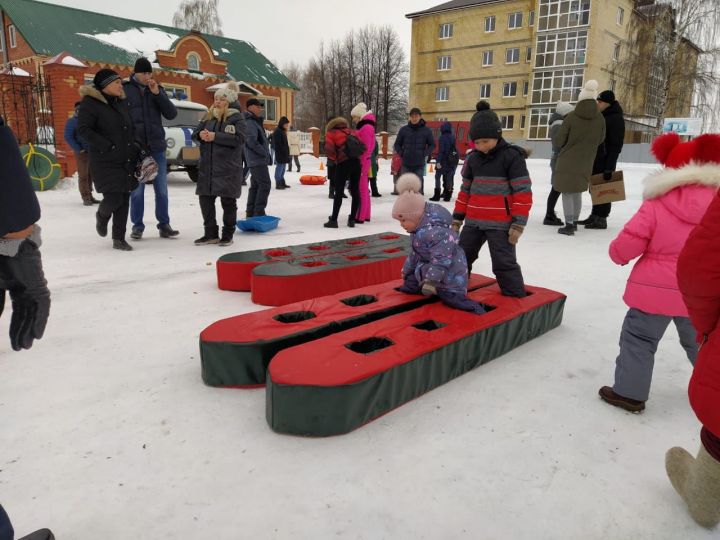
x=336 y=133
x=699 y=281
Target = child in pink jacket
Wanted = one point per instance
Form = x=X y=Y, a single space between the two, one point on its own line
x=675 y=200
x=365 y=130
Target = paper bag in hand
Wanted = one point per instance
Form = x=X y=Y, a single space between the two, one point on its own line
x=606 y=191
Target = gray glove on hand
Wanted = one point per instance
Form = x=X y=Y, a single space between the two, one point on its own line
x=456 y=224
x=22 y=275
x=428 y=289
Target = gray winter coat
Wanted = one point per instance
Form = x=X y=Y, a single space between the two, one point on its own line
x=257 y=150
x=580 y=134
x=556 y=120
x=220 y=168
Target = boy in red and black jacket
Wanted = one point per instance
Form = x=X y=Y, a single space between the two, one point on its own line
x=494 y=201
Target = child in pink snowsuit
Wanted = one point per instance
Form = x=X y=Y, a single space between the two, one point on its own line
x=365 y=130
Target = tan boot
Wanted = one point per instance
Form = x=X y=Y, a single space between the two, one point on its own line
x=697 y=481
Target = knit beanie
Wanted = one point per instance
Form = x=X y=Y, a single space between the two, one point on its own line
x=229 y=92
x=359 y=110
x=142 y=65
x=589 y=91
x=485 y=124
x=564 y=108
x=607 y=96
x=104 y=77
x=410 y=204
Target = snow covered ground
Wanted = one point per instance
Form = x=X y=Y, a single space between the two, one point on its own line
x=107 y=430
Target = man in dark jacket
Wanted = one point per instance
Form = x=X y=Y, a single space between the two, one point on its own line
x=80 y=149
x=607 y=154
x=446 y=163
x=257 y=157
x=414 y=144
x=149 y=104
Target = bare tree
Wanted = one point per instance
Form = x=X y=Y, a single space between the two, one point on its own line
x=668 y=65
x=200 y=15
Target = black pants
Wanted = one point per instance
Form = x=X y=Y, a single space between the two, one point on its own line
x=601 y=210
x=229 y=206
x=502 y=253
x=259 y=191
x=296 y=159
x=552 y=200
x=346 y=172
x=117 y=206
x=447 y=175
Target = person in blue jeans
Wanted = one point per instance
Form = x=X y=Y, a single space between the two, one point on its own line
x=149 y=104
x=414 y=144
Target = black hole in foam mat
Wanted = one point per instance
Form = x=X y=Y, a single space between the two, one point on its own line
x=294 y=317
x=369 y=345
x=360 y=300
x=488 y=309
x=429 y=325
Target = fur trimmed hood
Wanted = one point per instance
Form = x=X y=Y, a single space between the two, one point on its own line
x=337 y=122
x=91 y=91
x=665 y=180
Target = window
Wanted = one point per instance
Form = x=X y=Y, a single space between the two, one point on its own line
x=11 y=36
x=531 y=18
x=193 y=62
x=515 y=20
x=442 y=93
x=616 y=52
x=539 y=122
x=523 y=120
x=177 y=92
x=620 y=17
x=444 y=63
x=88 y=80
x=526 y=88
x=549 y=87
x=561 y=49
x=509 y=89
x=446 y=31
x=485 y=91
x=512 y=56
x=490 y=23
x=487 y=58
x=528 y=54
x=555 y=14
x=507 y=122
x=270 y=108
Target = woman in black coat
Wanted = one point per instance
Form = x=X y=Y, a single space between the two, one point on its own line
x=221 y=134
x=104 y=122
x=282 y=152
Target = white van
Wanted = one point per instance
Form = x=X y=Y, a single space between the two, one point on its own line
x=182 y=152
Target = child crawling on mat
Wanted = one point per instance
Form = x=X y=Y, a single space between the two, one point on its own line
x=436 y=265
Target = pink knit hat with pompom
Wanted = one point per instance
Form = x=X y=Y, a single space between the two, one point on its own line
x=410 y=204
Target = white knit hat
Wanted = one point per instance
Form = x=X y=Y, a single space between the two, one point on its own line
x=410 y=204
x=589 y=91
x=359 y=110
x=564 y=108
x=229 y=92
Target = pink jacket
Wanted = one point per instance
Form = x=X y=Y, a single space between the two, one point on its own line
x=366 y=133
x=675 y=202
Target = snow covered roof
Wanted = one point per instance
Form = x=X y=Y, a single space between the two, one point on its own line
x=241 y=84
x=87 y=35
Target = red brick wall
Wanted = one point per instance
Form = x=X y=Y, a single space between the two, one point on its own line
x=178 y=58
x=23 y=50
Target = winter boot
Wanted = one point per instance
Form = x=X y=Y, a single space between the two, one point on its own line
x=697 y=481
x=598 y=223
x=552 y=219
x=588 y=220
x=608 y=395
x=447 y=195
x=87 y=202
x=436 y=196
x=210 y=237
x=101 y=224
x=373 y=188
x=136 y=234
x=351 y=221
x=227 y=236
x=331 y=192
x=331 y=223
x=166 y=231
x=567 y=230
x=122 y=245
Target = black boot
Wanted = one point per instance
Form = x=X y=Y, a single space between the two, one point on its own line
x=567 y=230
x=101 y=224
x=331 y=192
x=210 y=236
x=122 y=245
x=447 y=195
x=227 y=236
x=588 y=220
x=373 y=188
x=599 y=223
x=553 y=220
x=331 y=223
x=436 y=195
x=166 y=231
x=351 y=221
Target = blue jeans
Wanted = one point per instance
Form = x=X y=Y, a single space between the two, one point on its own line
x=280 y=173
x=137 y=197
x=419 y=171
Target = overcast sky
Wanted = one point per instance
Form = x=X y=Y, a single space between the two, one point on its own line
x=283 y=30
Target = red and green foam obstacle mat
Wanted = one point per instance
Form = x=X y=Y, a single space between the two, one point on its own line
x=333 y=364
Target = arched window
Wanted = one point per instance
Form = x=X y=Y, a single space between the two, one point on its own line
x=193 y=62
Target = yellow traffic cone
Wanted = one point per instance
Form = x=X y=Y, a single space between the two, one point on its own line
x=431 y=168
x=322 y=166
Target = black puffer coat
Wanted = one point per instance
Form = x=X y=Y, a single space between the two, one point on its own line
x=104 y=122
x=609 y=151
x=147 y=111
x=280 y=142
x=414 y=143
x=220 y=167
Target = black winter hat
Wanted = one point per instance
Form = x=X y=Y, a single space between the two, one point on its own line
x=254 y=101
x=104 y=77
x=608 y=96
x=485 y=124
x=143 y=65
